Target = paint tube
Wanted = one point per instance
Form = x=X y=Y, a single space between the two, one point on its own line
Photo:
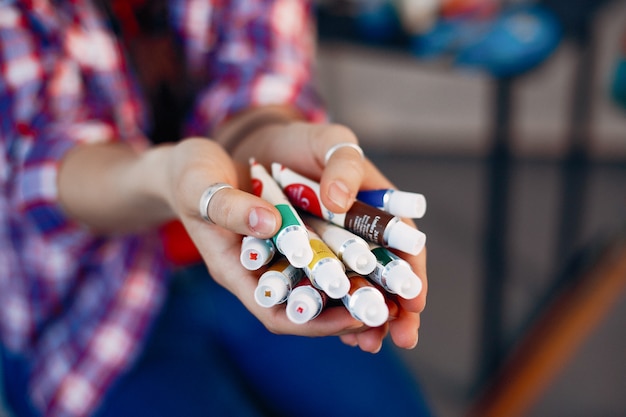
x=305 y=302
x=369 y=222
x=365 y=302
x=326 y=271
x=276 y=283
x=353 y=250
x=394 y=274
x=292 y=239
x=256 y=252
x=398 y=203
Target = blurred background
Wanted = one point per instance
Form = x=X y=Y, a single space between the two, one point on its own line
x=510 y=117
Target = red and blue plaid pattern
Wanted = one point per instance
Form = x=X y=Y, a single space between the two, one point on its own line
x=79 y=305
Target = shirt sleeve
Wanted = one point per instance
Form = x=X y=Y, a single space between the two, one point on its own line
x=58 y=83
x=251 y=53
x=78 y=305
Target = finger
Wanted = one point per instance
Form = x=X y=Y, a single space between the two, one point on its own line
x=418 y=265
x=373 y=178
x=331 y=322
x=371 y=340
x=341 y=180
x=336 y=149
x=404 y=330
x=349 y=339
x=393 y=305
x=242 y=213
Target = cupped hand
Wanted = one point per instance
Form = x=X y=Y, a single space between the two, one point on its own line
x=196 y=164
x=304 y=148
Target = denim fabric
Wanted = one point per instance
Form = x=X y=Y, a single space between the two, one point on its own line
x=208 y=356
x=4 y=412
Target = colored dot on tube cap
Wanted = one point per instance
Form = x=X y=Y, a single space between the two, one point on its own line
x=270 y=291
x=359 y=258
x=406 y=238
x=296 y=247
x=255 y=253
x=370 y=308
x=332 y=279
x=407 y=204
x=302 y=305
x=402 y=280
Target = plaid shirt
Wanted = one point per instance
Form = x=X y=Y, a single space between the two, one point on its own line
x=77 y=305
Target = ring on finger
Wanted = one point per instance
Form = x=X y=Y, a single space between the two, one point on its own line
x=205 y=200
x=338 y=146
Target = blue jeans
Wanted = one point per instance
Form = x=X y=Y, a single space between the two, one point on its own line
x=208 y=356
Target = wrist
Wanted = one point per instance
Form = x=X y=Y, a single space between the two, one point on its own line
x=237 y=134
x=152 y=181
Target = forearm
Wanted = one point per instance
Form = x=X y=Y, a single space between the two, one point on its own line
x=112 y=188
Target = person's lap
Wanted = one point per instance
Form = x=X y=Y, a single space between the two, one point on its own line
x=208 y=355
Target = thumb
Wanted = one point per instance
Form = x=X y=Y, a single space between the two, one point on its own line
x=203 y=184
x=239 y=211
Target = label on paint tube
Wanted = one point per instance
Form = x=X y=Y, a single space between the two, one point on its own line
x=321 y=251
x=361 y=220
x=304 y=193
x=383 y=256
x=305 y=197
x=288 y=215
x=367 y=221
x=326 y=271
x=292 y=238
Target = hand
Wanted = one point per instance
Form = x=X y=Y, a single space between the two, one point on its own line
x=303 y=147
x=146 y=188
x=194 y=165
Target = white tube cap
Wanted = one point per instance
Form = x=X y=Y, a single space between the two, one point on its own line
x=271 y=289
x=303 y=305
x=401 y=280
x=368 y=305
x=294 y=244
x=407 y=204
x=331 y=278
x=256 y=252
x=359 y=258
x=406 y=238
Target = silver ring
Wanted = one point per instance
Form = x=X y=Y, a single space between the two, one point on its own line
x=338 y=146
x=205 y=200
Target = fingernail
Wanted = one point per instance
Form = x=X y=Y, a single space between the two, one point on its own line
x=354 y=343
x=262 y=221
x=339 y=194
x=415 y=343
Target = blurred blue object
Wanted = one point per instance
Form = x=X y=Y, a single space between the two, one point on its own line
x=518 y=41
x=618 y=85
x=377 y=21
x=512 y=43
x=448 y=37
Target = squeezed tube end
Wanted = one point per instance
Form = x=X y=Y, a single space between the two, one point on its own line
x=295 y=245
x=403 y=281
x=270 y=291
x=359 y=259
x=301 y=306
x=407 y=204
x=331 y=278
x=371 y=309
x=406 y=238
x=256 y=252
